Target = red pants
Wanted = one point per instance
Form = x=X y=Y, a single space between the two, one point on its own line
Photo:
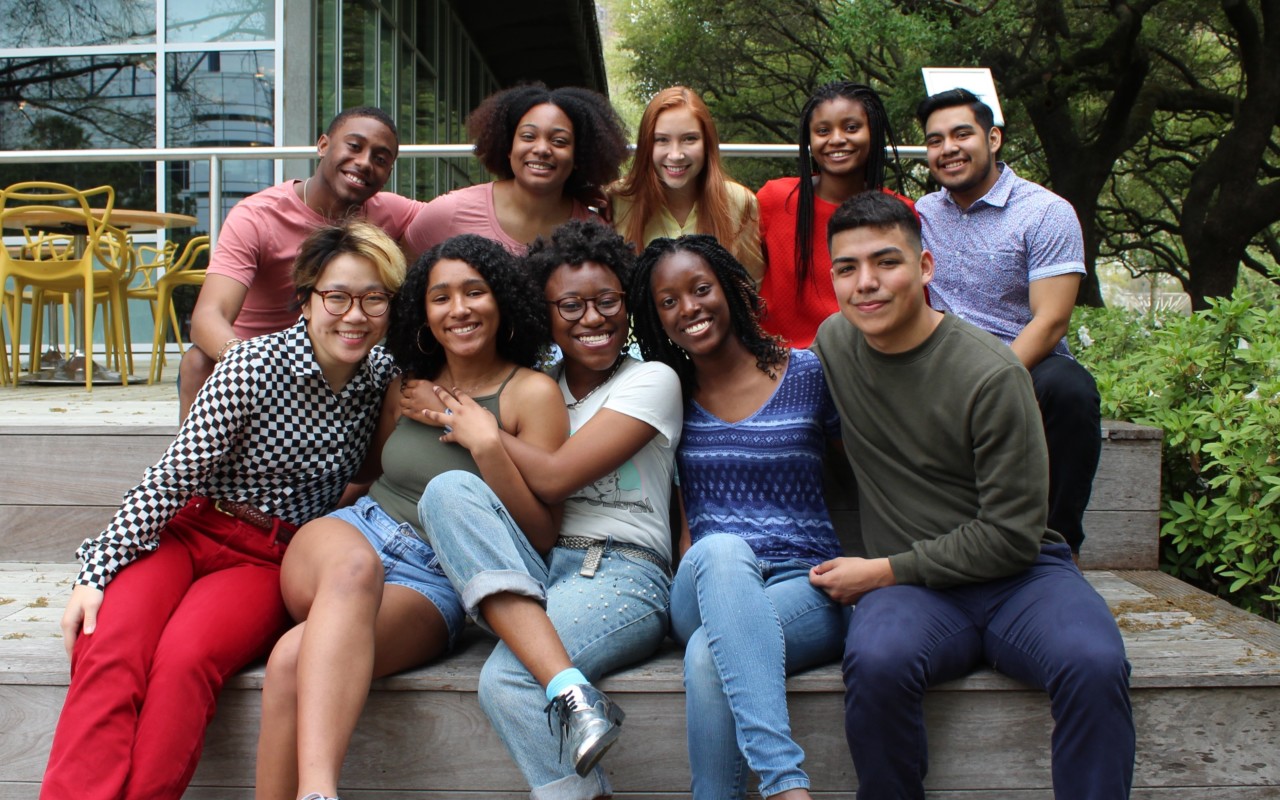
x=172 y=627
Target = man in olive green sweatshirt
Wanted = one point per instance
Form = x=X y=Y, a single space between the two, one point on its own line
x=941 y=426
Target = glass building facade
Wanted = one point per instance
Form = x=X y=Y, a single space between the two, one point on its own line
x=118 y=74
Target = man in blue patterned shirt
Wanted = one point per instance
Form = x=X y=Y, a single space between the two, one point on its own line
x=1010 y=257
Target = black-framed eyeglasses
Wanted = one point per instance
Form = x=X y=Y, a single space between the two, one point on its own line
x=338 y=302
x=572 y=308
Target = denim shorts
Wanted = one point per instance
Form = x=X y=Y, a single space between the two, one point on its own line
x=406 y=560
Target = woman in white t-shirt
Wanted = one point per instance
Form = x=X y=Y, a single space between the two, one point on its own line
x=605 y=581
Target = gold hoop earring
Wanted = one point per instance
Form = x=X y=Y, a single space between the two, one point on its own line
x=435 y=345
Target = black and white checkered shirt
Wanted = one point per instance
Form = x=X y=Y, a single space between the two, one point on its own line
x=267 y=430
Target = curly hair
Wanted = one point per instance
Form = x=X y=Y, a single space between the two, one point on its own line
x=745 y=307
x=575 y=242
x=599 y=138
x=523 y=336
x=881 y=135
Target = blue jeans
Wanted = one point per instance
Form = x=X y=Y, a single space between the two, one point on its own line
x=606 y=622
x=746 y=625
x=1045 y=627
x=406 y=560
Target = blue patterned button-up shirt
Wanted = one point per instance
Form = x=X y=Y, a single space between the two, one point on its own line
x=988 y=255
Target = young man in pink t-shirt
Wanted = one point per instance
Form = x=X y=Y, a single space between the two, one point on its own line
x=249 y=289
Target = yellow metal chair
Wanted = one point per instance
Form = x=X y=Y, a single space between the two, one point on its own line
x=49 y=206
x=187 y=269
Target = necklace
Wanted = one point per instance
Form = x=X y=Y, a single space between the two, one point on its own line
x=612 y=370
x=305 y=185
x=473 y=390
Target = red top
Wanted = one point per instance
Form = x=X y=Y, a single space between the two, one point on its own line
x=796 y=317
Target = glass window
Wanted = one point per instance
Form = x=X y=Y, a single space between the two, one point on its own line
x=326 y=62
x=79 y=102
x=359 y=55
x=72 y=23
x=220 y=20
x=82 y=103
x=386 y=60
x=219 y=99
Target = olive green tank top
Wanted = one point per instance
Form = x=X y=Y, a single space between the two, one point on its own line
x=414 y=454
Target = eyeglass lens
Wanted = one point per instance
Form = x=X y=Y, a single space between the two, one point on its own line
x=338 y=302
x=573 y=308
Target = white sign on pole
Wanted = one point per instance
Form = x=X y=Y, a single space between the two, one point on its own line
x=976 y=79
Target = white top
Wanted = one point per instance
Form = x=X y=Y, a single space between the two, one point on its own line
x=631 y=504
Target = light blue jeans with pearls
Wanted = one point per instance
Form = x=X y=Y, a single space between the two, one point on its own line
x=746 y=625
x=606 y=622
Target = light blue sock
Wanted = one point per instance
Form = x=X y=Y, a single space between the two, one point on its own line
x=563 y=680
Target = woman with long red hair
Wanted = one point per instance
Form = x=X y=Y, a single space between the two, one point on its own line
x=676 y=184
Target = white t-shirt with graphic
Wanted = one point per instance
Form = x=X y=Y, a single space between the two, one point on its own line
x=632 y=503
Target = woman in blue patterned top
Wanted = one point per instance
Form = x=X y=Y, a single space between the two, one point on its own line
x=756 y=425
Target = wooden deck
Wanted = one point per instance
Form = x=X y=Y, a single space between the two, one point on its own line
x=1206 y=676
x=1206 y=694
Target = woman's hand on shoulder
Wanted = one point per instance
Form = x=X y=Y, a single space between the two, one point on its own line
x=465 y=422
x=81 y=615
x=414 y=398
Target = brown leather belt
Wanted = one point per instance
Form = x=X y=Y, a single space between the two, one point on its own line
x=257 y=518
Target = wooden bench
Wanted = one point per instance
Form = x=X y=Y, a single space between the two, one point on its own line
x=1205 y=687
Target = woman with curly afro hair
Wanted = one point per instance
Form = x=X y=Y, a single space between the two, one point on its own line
x=551 y=151
x=614 y=550
x=363 y=582
x=757 y=423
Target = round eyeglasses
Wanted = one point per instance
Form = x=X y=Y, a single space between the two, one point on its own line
x=572 y=308
x=338 y=302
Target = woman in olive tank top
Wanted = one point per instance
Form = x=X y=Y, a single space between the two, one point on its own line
x=366 y=589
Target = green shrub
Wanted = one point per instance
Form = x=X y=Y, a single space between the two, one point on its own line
x=1210 y=381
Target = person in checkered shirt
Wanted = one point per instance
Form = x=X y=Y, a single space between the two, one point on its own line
x=182 y=589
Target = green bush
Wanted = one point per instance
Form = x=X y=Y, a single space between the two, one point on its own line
x=1211 y=382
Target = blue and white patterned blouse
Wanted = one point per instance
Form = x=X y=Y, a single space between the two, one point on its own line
x=761 y=478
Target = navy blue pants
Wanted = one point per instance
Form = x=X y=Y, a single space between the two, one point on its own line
x=1045 y=627
x=1069 y=407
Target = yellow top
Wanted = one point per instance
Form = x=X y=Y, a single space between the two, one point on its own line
x=742 y=206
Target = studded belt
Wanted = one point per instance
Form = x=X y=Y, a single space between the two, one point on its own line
x=257 y=518
x=596 y=549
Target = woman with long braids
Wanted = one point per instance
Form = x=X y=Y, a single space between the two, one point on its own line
x=843 y=134
x=365 y=587
x=552 y=152
x=757 y=422
x=677 y=184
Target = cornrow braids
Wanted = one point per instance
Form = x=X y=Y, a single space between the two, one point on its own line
x=745 y=307
x=881 y=136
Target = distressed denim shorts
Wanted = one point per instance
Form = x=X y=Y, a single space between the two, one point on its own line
x=406 y=559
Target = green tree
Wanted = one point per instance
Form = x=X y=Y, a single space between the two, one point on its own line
x=1089 y=91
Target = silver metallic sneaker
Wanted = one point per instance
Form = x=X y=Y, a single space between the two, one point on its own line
x=590 y=721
